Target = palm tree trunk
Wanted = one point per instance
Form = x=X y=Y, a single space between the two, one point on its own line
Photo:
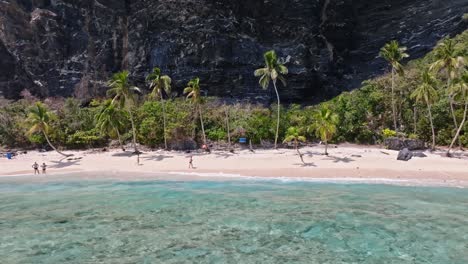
x=326 y=147
x=415 y=120
x=133 y=130
x=52 y=146
x=459 y=129
x=228 y=128
x=278 y=120
x=202 y=125
x=432 y=127
x=164 y=122
x=120 y=139
x=452 y=108
x=393 y=101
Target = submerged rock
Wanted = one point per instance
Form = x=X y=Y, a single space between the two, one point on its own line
x=405 y=155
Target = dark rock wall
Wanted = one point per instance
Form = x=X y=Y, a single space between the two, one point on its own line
x=69 y=47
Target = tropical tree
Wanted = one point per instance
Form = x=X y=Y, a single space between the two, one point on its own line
x=325 y=125
x=447 y=59
x=39 y=118
x=393 y=54
x=193 y=93
x=273 y=71
x=228 y=127
x=293 y=135
x=123 y=94
x=460 y=92
x=110 y=120
x=160 y=85
x=427 y=93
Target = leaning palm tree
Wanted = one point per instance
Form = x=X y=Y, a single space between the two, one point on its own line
x=325 y=125
x=110 y=120
x=447 y=59
x=39 y=118
x=293 y=135
x=460 y=92
x=160 y=84
x=273 y=71
x=393 y=54
x=427 y=93
x=193 y=93
x=123 y=96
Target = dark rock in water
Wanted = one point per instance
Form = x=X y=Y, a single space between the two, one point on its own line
x=399 y=143
x=405 y=154
x=70 y=47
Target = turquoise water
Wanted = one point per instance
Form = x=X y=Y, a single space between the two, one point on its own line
x=231 y=222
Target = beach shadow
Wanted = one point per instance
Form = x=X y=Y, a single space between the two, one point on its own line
x=224 y=155
x=307 y=164
x=123 y=154
x=158 y=157
x=311 y=154
x=64 y=164
x=338 y=159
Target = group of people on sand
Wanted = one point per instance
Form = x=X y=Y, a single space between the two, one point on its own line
x=35 y=166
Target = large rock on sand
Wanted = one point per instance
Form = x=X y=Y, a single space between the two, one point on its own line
x=399 y=144
x=405 y=155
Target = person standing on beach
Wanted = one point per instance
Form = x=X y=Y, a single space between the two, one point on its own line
x=35 y=166
x=44 y=168
x=190 y=164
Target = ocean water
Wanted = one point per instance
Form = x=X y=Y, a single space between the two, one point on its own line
x=231 y=222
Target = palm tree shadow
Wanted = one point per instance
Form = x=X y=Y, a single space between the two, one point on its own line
x=306 y=164
x=158 y=157
x=61 y=164
x=123 y=154
x=224 y=155
x=338 y=159
x=311 y=154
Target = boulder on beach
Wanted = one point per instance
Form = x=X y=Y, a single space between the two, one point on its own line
x=395 y=143
x=405 y=154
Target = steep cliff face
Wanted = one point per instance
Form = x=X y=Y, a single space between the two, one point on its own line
x=68 y=47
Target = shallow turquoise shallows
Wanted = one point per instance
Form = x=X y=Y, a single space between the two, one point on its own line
x=231 y=222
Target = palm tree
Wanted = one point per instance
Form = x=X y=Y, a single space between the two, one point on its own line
x=427 y=94
x=160 y=84
x=460 y=92
x=39 y=118
x=228 y=128
x=123 y=95
x=447 y=58
x=393 y=54
x=109 y=120
x=193 y=93
x=273 y=71
x=325 y=125
x=293 y=135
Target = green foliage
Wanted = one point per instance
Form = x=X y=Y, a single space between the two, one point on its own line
x=388 y=133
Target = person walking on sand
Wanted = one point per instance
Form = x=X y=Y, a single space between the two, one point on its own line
x=44 y=168
x=190 y=163
x=35 y=166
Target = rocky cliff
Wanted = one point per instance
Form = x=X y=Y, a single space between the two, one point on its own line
x=69 y=47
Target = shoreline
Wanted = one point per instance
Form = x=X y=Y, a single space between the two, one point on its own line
x=346 y=164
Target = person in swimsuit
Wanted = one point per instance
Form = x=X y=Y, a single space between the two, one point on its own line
x=35 y=166
x=190 y=164
x=44 y=168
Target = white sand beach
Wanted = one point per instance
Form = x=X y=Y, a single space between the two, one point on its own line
x=344 y=162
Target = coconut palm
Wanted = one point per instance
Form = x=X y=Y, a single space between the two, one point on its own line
x=39 y=118
x=193 y=93
x=272 y=71
x=460 y=91
x=160 y=85
x=393 y=54
x=325 y=125
x=427 y=94
x=293 y=135
x=110 y=120
x=123 y=95
x=447 y=59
